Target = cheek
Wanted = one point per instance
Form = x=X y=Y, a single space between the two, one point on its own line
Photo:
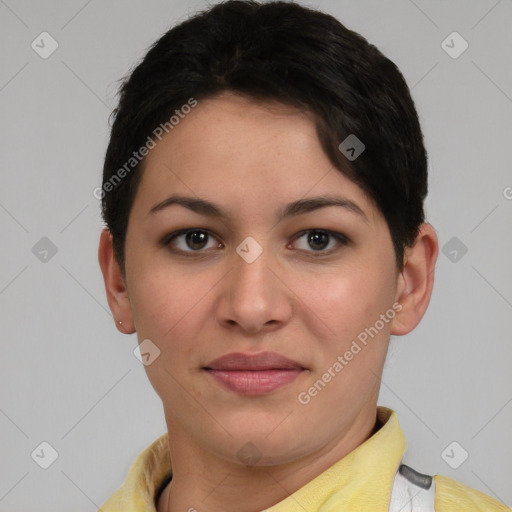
x=343 y=303
x=170 y=309
x=163 y=302
x=345 y=309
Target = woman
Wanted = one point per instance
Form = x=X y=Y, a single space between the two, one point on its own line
x=263 y=193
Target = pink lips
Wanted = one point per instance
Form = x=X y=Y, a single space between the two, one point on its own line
x=256 y=374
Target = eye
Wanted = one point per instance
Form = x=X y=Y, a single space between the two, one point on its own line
x=191 y=240
x=319 y=241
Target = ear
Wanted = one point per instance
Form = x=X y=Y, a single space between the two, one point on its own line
x=416 y=280
x=115 y=286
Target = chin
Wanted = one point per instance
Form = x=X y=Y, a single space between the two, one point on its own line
x=261 y=439
x=260 y=452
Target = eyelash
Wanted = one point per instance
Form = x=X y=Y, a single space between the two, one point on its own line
x=341 y=239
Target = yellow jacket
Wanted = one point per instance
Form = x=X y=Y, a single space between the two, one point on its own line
x=360 y=482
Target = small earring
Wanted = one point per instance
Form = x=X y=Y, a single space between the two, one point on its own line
x=120 y=322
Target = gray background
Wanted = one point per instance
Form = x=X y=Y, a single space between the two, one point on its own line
x=69 y=378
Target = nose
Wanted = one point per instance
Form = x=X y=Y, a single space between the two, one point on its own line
x=254 y=296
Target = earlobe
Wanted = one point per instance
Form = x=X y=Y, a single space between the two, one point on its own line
x=416 y=281
x=115 y=286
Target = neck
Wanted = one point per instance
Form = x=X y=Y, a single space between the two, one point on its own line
x=202 y=482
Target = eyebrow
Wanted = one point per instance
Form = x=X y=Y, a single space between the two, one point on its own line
x=301 y=206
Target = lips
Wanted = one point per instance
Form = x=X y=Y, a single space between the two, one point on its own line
x=262 y=361
x=254 y=374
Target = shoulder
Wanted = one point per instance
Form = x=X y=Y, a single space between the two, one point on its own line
x=452 y=495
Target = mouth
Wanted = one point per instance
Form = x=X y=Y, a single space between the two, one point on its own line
x=254 y=374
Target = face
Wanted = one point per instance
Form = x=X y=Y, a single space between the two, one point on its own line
x=245 y=243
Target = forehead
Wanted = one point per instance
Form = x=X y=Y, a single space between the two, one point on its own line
x=231 y=132
x=244 y=153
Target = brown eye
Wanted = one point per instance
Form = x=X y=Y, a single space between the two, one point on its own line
x=320 y=241
x=196 y=239
x=191 y=240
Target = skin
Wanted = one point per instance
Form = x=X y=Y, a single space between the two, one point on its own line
x=251 y=160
